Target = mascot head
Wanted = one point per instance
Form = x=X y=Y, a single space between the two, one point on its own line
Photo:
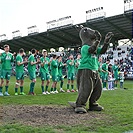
x=87 y=35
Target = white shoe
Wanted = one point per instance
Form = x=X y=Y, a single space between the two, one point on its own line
x=52 y=92
x=6 y=94
x=44 y=93
x=61 y=90
x=47 y=92
x=104 y=89
x=56 y=91
x=1 y=94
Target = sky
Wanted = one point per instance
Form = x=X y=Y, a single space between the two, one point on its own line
x=20 y=14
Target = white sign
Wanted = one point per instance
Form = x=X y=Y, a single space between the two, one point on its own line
x=61 y=22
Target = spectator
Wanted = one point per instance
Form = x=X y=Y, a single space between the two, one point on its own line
x=105 y=74
x=110 y=81
x=121 y=79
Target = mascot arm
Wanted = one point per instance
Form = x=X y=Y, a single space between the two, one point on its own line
x=107 y=40
x=104 y=48
x=93 y=47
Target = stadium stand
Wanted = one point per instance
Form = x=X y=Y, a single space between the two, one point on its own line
x=120 y=25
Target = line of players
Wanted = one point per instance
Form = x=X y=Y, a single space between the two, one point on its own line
x=110 y=74
x=55 y=64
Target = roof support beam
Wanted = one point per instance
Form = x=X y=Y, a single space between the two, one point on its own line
x=47 y=37
x=96 y=28
x=73 y=39
x=61 y=38
x=129 y=19
x=36 y=44
x=47 y=41
x=26 y=44
x=53 y=40
x=14 y=45
x=70 y=35
x=118 y=29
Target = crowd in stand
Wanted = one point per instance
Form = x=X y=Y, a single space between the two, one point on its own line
x=125 y=62
x=57 y=67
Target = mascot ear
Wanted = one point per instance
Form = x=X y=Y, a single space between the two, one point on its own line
x=79 y=27
x=85 y=29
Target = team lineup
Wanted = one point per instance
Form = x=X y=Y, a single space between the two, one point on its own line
x=49 y=67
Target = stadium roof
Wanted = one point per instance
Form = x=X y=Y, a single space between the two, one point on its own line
x=120 y=25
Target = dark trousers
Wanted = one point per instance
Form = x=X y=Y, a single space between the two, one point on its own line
x=89 y=87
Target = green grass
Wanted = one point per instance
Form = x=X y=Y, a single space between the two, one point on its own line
x=118 y=106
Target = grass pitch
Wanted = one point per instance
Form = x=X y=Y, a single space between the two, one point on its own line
x=116 y=118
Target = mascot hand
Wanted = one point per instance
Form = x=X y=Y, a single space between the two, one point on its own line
x=98 y=35
x=108 y=37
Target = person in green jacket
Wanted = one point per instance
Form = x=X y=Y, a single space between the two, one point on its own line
x=100 y=67
x=20 y=72
x=70 y=73
x=115 y=68
x=32 y=70
x=6 y=59
x=60 y=75
x=54 y=74
x=44 y=71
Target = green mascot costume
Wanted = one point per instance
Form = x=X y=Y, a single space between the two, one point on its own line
x=88 y=80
